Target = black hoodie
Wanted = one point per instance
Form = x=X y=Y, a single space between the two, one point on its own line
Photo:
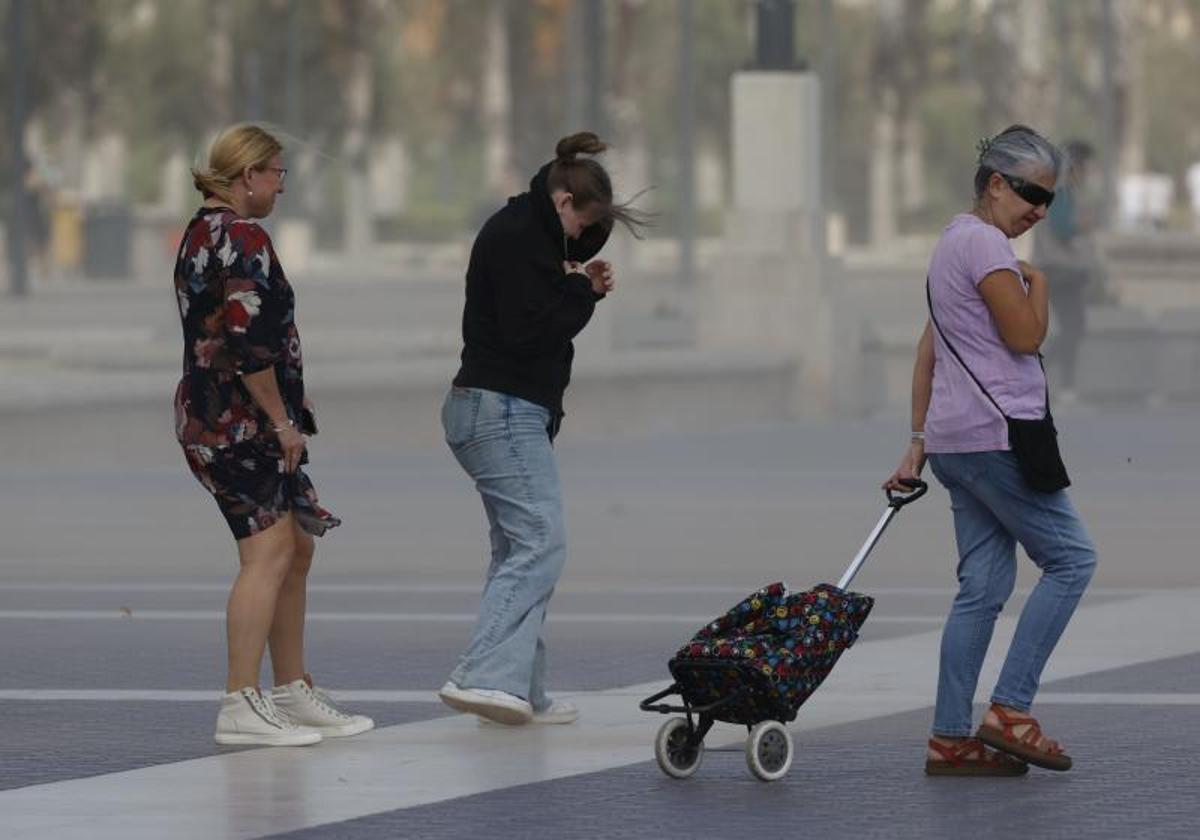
x=522 y=308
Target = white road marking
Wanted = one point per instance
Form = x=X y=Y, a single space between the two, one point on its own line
x=560 y=617
x=370 y=695
x=257 y=792
x=122 y=695
x=450 y=587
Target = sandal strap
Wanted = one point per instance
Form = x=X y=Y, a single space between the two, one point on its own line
x=1010 y=718
x=961 y=751
x=1033 y=736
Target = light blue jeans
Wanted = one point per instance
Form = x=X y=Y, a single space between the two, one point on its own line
x=993 y=511
x=504 y=444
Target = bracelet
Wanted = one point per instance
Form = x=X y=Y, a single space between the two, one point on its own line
x=917 y=436
x=290 y=424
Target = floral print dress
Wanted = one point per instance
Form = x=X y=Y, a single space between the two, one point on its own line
x=238 y=314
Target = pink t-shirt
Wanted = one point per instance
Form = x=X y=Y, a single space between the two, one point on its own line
x=960 y=418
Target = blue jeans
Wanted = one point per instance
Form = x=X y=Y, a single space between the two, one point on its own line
x=993 y=511
x=504 y=444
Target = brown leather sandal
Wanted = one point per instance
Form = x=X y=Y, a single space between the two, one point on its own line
x=969 y=757
x=1031 y=747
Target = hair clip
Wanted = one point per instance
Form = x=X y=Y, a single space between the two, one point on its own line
x=984 y=146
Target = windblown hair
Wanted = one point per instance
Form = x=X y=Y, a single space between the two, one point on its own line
x=588 y=181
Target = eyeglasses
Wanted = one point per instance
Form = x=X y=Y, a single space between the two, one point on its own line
x=1029 y=192
x=282 y=170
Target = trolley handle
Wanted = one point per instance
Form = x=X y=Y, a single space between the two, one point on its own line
x=898 y=500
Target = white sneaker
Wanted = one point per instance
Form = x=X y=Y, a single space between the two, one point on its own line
x=493 y=704
x=248 y=716
x=306 y=705
x=558 y=712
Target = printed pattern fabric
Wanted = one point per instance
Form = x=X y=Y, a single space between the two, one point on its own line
x=238 y=315
x=774 y=647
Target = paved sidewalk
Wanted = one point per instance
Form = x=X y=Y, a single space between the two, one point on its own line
x=115 y=569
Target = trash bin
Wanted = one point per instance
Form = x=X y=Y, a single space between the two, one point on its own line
x=107 y=235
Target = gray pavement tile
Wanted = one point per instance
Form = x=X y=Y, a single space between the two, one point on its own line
x=1134 y=778
x=1177 y=674
x=43 y=742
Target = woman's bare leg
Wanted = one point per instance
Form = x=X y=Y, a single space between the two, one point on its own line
x=286 y=639
x=265 y=559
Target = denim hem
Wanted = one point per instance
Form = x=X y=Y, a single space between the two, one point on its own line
x=1010 y=704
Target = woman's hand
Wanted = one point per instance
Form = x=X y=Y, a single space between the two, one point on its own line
x=600 y=272
x=292 y=443
x=1028 y=270
x=911 y=464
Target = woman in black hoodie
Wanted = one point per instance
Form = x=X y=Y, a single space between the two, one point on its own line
x=530 y=290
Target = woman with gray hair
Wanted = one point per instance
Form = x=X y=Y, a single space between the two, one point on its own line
x=981 y=414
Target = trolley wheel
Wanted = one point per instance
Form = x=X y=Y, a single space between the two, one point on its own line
x=769 y=750
x=677 y=756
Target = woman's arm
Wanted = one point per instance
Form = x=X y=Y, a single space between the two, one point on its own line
x=540 y=305
x=1021 y=317
x=913 y=460
x=265 y=391
x=922 y=380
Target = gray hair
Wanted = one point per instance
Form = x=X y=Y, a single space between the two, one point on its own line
x=1019 y=151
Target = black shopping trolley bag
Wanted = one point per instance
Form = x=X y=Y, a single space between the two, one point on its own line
x=763 y=658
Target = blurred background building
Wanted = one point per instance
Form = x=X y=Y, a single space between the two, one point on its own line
x=408 y=121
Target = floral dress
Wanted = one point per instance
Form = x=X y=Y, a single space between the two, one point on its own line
x=238 y=314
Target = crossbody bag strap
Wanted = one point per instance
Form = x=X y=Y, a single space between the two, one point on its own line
x=946 y=341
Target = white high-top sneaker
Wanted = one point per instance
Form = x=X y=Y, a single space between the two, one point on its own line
x=248 y=716
x=306 y=705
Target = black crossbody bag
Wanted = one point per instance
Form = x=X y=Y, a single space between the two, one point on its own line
x=1034 y=442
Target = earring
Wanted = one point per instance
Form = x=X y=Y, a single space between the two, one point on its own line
x=249 y=192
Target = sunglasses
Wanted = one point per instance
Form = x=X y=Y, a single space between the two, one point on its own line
x=1029 y=192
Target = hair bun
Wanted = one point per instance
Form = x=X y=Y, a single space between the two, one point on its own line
x=583 y=142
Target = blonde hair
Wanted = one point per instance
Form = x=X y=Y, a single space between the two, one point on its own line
x=234 y=149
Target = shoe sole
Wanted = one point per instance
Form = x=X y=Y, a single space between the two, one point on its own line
x=975 y=768
x=492 y=711
x=995 y=739
x=246 y=739
x=538 y=721
x=345 y=730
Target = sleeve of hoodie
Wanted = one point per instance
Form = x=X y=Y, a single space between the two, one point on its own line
x=538 y=305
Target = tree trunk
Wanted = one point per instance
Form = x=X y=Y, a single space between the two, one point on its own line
x=360 y=233
x=882 y=172
x=220 y=67
x=1132 y=113
x=499 y=176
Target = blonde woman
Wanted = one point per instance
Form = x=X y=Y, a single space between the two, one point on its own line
x=241 y=417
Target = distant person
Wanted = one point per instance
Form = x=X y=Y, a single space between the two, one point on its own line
x=241 y=417
x=977 y=366
x=1193 y=186
x=1065 y=249
x=530 y=290
x=38 y=202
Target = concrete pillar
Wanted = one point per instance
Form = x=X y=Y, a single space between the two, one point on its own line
x=766 y=289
